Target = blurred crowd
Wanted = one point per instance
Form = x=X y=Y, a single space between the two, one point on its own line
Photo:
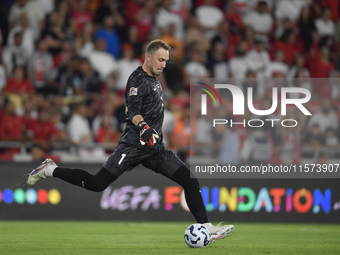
x=64 y=66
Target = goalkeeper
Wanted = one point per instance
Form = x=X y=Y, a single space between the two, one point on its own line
x=141 y=142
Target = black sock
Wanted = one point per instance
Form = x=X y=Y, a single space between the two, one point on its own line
x=81 y=178
x=192 y=193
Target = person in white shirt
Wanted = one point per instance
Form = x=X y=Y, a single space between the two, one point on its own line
x=258 y=59
x=34 y=14
x=46 y=6
x=278 y=66
x=209 y=17
x=260 y=20
x=326 y=117
x=195 y=68
x=126 y=66
x=78 y=127
x=79 y=130
x=27 y=34
x=15 y=55
x=324 y=25
x=164 y=18
x=238 y=65
x=100 y=60
x=289 y=9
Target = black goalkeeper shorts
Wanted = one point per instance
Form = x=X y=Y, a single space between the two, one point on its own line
x=126 y=157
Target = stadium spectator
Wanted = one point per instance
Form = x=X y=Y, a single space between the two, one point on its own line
x=204 y=136
x=140 y=13
x=33 y=12
x=168 y=36
x=314 y=138
x=110 y=8
x=88 y=81
x=325 y=118
x=277 y=67
x=78 y=127
x=19 y=84
x=125 y=67
x=180 y=141
x=132 y=38
x=64 y=77
x=225 y=37
x=79 y=131
x=331 y=139
x=282 y=26
x=80 y=14
x=289 y=9
x=321 y=67
x=257 y=147
x=53 y=34
x=61 y=136
x=15 y=55
x=84 y=41
x=102 y=61
x=251 y=81
x=307 y=28
x=29 y=112
x=164 y=18
x=229 y=146
x=195 y=68
x=334 y=6
x=27 y=34
x=294 y=71
x=107 y=133
x=64 y=16
x=215 y=15
x=67 y=52
x=324 y=25
x=181 y=8
x=260 y=20
x=109 y=34
x=11 y=125
x=40 y=69
x=233 y=18
x=106 y=112
x=287 y=45
x=195 y=35
x=217 y=65
x=117 y=107
x=258 y=59
x=238 y=65
x=42 y=132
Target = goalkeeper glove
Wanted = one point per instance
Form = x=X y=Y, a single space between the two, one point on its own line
x=147 y=135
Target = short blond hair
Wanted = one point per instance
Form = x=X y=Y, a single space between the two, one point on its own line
x=155 y=45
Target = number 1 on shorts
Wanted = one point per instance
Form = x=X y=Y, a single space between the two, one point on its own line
x=121 y=160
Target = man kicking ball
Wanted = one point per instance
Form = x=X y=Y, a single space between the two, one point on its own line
x=141 y=143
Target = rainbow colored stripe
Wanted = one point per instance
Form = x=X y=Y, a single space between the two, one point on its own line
x=209 y=93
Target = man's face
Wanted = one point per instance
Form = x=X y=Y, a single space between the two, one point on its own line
x=157 y=61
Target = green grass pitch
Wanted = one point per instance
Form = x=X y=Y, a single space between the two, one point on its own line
x=40 y=237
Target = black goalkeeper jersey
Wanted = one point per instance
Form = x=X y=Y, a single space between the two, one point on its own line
x=143 y=96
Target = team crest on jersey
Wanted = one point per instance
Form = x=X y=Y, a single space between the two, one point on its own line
x=133 y=91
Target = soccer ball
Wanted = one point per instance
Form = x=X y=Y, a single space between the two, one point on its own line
x=197 y=236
